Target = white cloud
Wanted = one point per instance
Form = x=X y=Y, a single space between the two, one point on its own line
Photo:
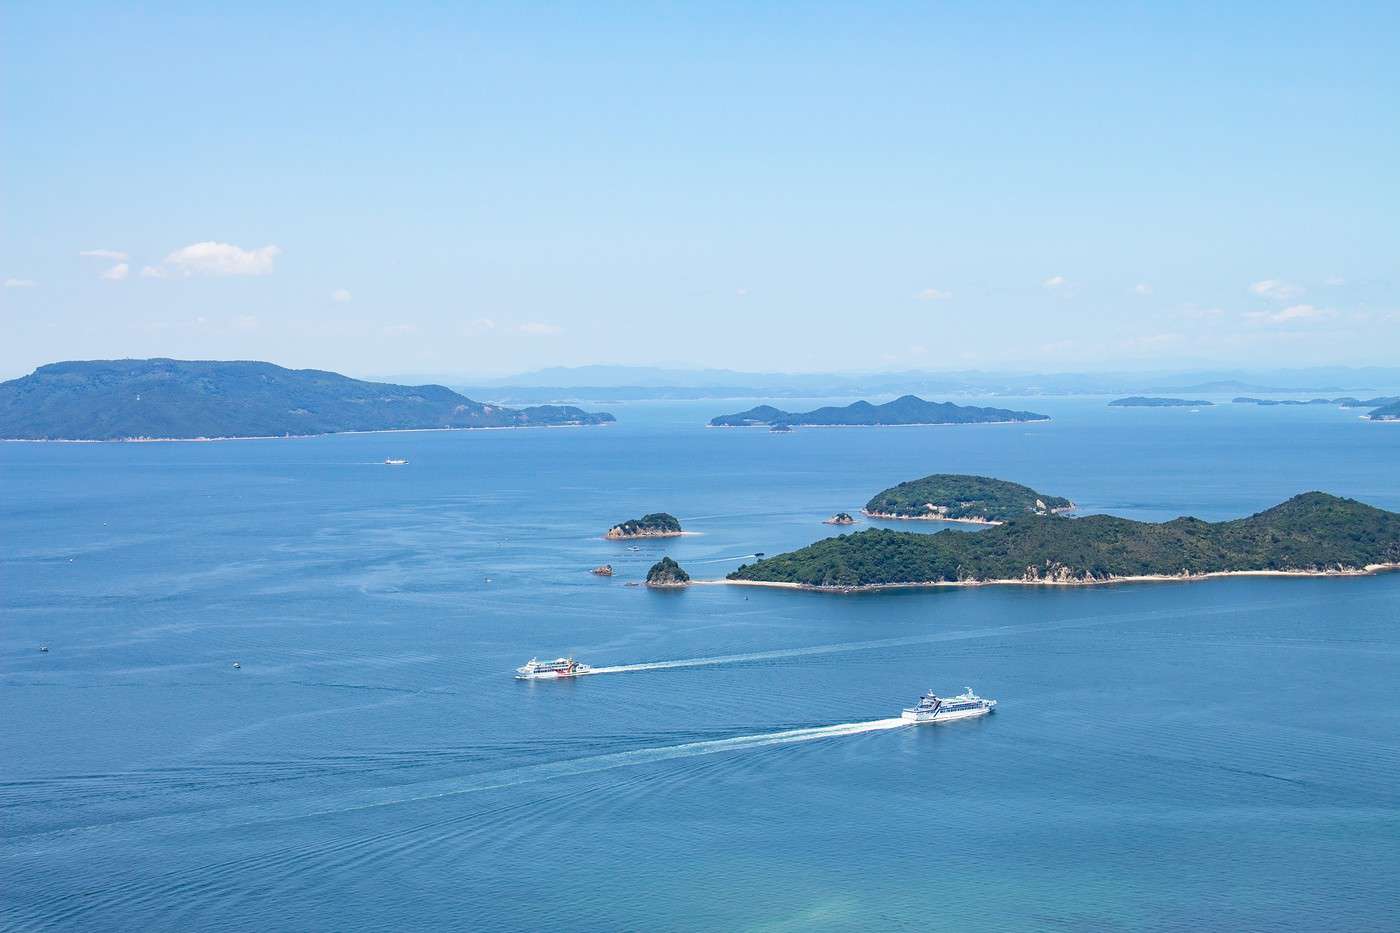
x=539 y=329
x=341 y=295
x=117 y=272
x=1142 y=288
x=221 y=259
x=20 y=283
x=399 y=330
x=115 y=255
x=244 y=322
x=933 y=294
x=479 y=326
x=1055 y=281
x=1195 y=311
x=1290 y=314
x=152 y=272
x=1275 y=290
x=1334 y=280
x=741 y=292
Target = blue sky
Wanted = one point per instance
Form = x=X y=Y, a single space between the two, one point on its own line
x=478 y=190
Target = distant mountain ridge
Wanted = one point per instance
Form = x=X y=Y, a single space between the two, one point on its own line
x=907 y=409
x=184 y=399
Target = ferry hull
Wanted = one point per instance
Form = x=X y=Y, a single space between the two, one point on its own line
x=922 y=719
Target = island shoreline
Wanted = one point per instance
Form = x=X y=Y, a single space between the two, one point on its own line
x=281 y=437
x=934 y=517
x=1370 y=570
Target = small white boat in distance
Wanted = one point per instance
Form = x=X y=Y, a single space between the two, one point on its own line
x=395 y=461
x=933 y=708
x=549 y=670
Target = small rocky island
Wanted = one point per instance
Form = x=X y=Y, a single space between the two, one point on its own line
x=604 y=571
x=907 y=409
x=1144 y=401
x=840 y=518
x=667 y=574
x=954 y=497
x=1310 y=534
x=652 y=525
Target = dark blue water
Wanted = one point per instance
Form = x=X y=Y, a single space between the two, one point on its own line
x=1219 y=755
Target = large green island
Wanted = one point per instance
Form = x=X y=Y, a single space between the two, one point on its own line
x=907 y=409
x=1313 y=533
x=113 y=400
x=953 y=497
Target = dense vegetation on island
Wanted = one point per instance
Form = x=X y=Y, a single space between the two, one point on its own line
x=1389 y=412
x=1312 y=532
x=907 y=409
x=957 y=497
x=667 y=572
x=840 y=518
x=1146 y=401
x=652 y=525
x=160 y=398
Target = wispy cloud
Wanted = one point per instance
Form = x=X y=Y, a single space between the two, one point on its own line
x=341 y=295
x=481 y=325
x=399 y=330
x=539 y=329
x=1334 y=280
x=1275 y=290
x=1292 y=313
x=1055 y=281
x=1199 y=313
x=117 y=272
x=152 y=272
x=115 y=255
x=1142 y=288
x=20 y=283
x=934 y=294
x=217 y=259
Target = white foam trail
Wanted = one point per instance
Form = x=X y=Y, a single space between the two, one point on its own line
x=933 y=637
x=371 y=798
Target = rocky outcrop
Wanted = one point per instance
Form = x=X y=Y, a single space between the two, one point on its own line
x=667 y=574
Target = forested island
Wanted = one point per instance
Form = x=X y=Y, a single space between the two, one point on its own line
x=907 y=409
x=652 y=525
x=1313 y=533
x=106 y=400
x=954 y=497
x=1389 y=412
x=666 y=573
x=1145 y=401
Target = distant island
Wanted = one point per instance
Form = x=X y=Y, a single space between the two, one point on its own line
x=666 y=573
x=1389 y=412
x=1146 y=401
x=954 y=497
x=112 y=400
x=840 y=518
x=653 y=525
x=907 y=409
x=1313 y=533
x=1345 y=402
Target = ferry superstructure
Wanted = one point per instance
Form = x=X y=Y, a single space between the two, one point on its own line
x=560 y=667
x=933 y=708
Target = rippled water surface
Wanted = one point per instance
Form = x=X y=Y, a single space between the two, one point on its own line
x=1219 y=755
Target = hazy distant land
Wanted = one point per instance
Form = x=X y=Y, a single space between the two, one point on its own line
x=182 y=399
x=905 y=410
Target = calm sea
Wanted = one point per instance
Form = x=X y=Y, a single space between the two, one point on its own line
x=1209 y=756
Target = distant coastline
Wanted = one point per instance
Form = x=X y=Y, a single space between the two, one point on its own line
x=278 y=437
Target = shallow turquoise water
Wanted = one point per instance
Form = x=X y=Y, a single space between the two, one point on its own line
x=1217 y=755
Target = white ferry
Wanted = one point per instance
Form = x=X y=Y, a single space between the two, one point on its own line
x=933 y=708
x=559 y=667
x=395 y=461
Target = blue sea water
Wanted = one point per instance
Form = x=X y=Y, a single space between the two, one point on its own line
x=1217 y=755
